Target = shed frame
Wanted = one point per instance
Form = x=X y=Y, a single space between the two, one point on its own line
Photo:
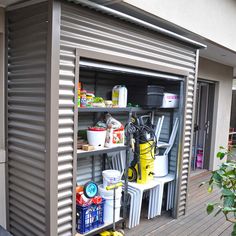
x=59 y=210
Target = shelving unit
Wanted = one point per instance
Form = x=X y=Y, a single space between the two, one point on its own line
x=101 y=83
x=103 y=151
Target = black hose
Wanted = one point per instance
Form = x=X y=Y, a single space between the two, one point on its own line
x=141 y=132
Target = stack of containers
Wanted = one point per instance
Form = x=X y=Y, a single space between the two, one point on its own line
x=111 y=177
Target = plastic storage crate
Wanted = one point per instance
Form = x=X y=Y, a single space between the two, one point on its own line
x=89 y=217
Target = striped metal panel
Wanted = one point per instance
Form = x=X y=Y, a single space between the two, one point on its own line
x=86 y=29
x=27 y=39
x=85 y=169
x=66 y=150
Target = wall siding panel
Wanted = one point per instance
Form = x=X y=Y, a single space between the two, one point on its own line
x=26 y=96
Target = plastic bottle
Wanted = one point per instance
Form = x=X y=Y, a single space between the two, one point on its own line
x=89 y=99
x=79 y=89
x=199 y=161
x=119 y=96
x=83 y=100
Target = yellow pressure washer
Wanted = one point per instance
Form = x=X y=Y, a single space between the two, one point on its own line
x=142 y=166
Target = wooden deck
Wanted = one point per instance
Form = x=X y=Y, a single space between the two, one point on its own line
x=195 y=223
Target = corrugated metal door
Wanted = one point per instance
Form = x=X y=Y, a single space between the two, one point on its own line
x=88 y=30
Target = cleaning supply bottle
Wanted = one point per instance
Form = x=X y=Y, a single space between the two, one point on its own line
x=79 y=89
x=119 y=96
x=199 y=161
x=83 y=99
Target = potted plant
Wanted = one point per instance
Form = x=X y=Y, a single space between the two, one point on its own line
x=225 y=179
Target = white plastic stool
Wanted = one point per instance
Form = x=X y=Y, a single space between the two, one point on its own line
x=170 y=191
x=136 y=191
x=134 y=196
x=153 y=187
x=152 y=210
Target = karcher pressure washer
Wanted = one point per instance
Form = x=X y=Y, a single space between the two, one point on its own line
x=142 y=166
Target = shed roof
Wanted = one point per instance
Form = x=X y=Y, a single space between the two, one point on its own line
x=136 y=21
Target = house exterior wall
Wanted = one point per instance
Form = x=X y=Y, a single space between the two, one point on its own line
x=223 y=76
x=206 y=18
x=233 y=111
x=2 y=131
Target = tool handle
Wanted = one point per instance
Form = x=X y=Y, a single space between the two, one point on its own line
x=114 y=186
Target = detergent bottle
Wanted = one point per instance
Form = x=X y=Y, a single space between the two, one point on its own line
x=119 y=96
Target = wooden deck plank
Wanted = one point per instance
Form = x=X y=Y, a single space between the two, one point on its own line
x=202 y=225
x=198 y=208
x=195 y=223
x=195 y=214
x=228 y=231
x=210 y=229
x=221 y=228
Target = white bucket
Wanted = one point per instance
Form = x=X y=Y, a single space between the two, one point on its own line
x=108 y=206
x=161 y=166
x=96 y=138
x=111 y=177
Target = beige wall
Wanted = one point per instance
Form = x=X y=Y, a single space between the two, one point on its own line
x=2 y=131
x=212 y=19
x=223 y=76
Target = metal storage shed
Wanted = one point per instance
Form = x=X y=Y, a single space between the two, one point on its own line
x=46 y=42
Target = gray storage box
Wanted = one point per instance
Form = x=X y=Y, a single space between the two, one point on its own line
x=150 y=96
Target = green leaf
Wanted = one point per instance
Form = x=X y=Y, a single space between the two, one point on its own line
x=221 y=172
x=218 y=154
x=231 y=172
x=229 y=201
x=227 y=192
x=210 y=208
x=234 y=231
x=229 y=209
x=210 y=189
x=221 y=155
x=217 y=177
x=224 y=178
x=211 y=180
